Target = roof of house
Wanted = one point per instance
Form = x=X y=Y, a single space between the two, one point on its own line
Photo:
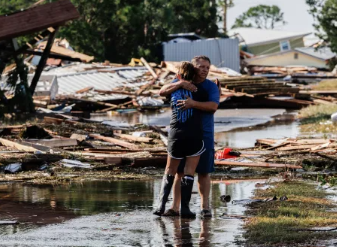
x=190 y=36
x=255 y=36
x=37 y=18
x=323 y=53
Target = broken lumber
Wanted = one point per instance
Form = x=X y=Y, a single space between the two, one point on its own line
x=79 y=137
x=155 y=76
x=134 y=138
x=114 y=141
x=255 y=164
x=53 y=142
x=18 y=146
x=84 y=90
x=144 y=87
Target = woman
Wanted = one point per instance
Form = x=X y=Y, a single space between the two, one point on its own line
x=185 y=141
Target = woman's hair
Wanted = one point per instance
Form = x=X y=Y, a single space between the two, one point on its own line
x=186 y=71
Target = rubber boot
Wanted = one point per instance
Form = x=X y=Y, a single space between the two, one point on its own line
x=186 y=192
x=165 y=190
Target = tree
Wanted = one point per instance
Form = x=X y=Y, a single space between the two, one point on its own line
x=198 y=16
x=121 y=29
x=261 y=16
x=324 y=13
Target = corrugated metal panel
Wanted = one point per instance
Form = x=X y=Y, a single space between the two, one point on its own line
x=222 y=52
x=69 y=84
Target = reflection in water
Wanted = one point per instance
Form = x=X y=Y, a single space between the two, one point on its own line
x=115 y=213
x=226 y=121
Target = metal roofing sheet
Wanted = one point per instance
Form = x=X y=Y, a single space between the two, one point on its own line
x=69 y=84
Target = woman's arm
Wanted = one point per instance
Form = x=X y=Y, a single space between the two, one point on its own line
x=171 y=87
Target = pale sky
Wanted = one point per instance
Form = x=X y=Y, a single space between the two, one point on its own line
x=295 y=13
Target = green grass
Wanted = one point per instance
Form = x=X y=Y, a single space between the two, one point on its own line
x=317 y=111
x=284 y=222
x=316 y=119
x=326 y=85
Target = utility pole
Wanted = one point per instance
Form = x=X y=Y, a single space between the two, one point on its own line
x=226 y=4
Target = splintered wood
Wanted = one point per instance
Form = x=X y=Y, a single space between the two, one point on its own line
x=288 y=144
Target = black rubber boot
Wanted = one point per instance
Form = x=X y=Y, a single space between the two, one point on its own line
x=186 y=192
x=165 y=190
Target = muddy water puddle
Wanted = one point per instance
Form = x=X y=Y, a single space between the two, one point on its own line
x=115 y=213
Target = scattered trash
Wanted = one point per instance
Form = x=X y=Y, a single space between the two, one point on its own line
x=225 y=198
x=13 y=168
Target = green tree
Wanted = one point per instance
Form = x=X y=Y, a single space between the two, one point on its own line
x=121 y=29
x=261 y=16
x=198 y=16
x=324 y=13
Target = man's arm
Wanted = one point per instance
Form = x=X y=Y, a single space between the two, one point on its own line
x=171 y=87
x=208 y=106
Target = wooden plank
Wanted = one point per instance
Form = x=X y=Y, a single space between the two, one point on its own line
x=155 y=76
x=296 y=147
x=42 y=62
x=116 y=107
x=144 y=87
x=20 y=147
x=79 y=137
x=37 y=19
x=90 y=101
x=54 y=142
x=51 y=120
x=253 y=164
x=114 y=141
x=84 y=90
x=134 y=138
x=318 y=92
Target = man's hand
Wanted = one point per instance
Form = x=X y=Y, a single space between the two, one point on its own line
x=188 y=103
x=188 y=86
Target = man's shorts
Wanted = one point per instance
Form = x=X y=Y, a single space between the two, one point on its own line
x=179 y=149
x=206 y=162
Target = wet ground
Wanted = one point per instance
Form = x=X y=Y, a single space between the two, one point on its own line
x=115 y=213
x=236 y=128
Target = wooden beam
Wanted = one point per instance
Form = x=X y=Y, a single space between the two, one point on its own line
x=84 y=90
x=42 y=62
x=253 y=164
x=20 y=147
x=155 y=76
x=54 y=142
x=114 y=141
x=133 y=138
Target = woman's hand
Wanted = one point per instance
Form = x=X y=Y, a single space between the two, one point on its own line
x=188 y=86
x=188 y=103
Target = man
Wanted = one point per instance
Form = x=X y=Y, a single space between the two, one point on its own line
x=206 y=163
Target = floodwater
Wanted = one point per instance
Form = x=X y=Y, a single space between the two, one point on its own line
x=115 y=213
x=253 y=123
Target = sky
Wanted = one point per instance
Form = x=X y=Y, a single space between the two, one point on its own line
x=295 y=13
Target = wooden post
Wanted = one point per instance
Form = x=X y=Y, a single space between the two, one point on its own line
x=42 y=62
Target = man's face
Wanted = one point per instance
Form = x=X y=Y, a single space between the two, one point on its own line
x=202 y=68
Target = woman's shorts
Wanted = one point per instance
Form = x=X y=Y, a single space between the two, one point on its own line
x=179 y=149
